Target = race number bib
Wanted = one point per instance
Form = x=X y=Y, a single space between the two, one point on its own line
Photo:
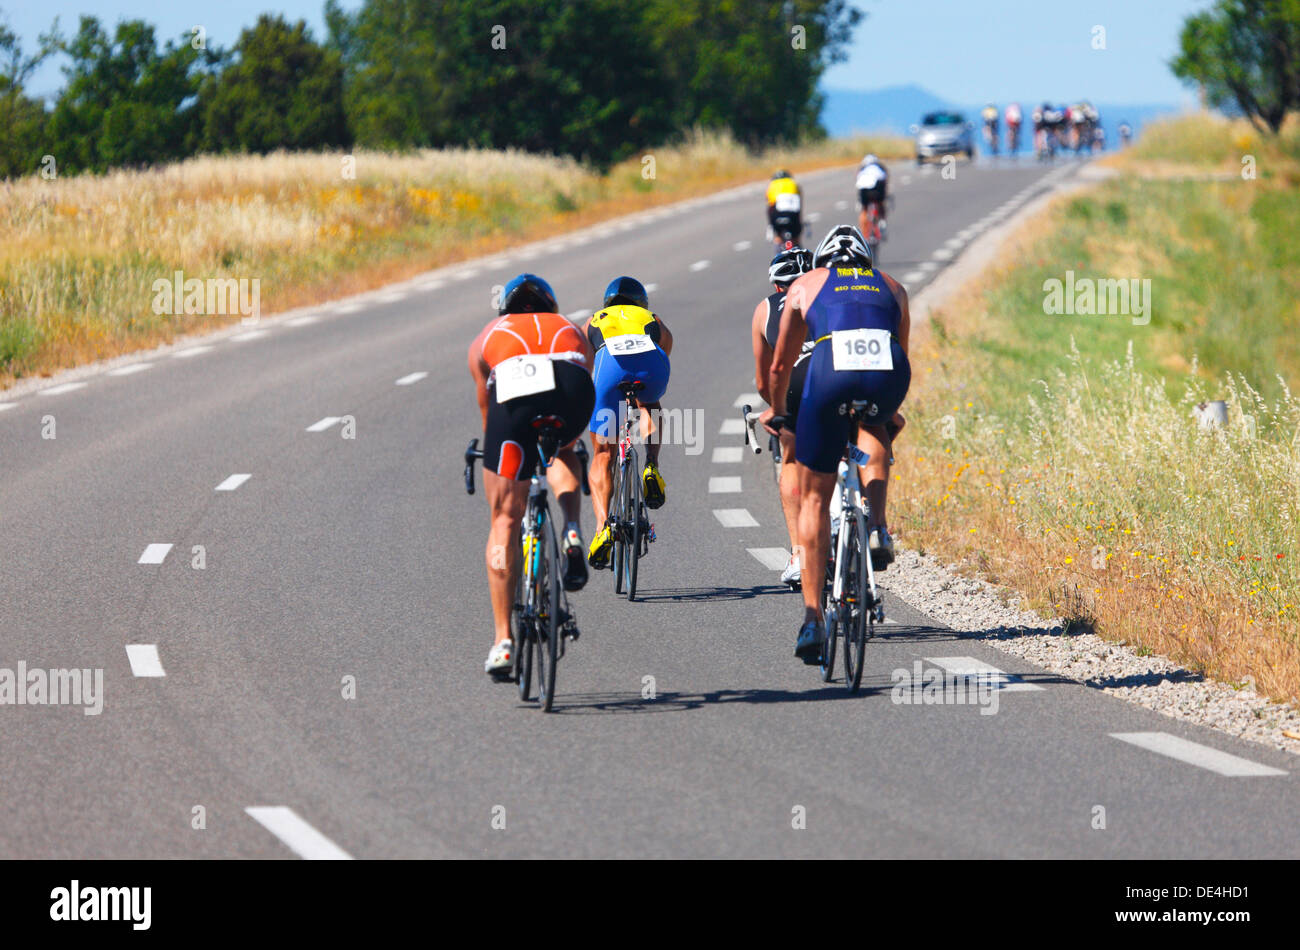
x=629 y=343
x=870 y=176
x=523 y=376
x=788 y=203
x=861 y=349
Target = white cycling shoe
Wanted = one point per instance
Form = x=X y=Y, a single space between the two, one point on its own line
x=500 y=662
x=881 y=546
x=792 y=573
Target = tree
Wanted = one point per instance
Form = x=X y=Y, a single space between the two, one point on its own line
x=126 y=102
x=1247 y=52
x=282 y=90
x=22 y=117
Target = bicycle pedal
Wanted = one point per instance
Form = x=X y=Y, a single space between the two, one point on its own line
x=650 y=533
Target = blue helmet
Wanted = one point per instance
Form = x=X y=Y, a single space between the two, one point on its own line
x=528 y=293
x=627 y=290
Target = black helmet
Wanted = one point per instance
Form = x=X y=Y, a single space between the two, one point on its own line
x=528 y=293
x=780 y=174
x=788 y=265
x=626 y=290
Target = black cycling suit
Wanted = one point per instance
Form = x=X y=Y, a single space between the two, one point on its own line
x=509 y=439
x=775 y=306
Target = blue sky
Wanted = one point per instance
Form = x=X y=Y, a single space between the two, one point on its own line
x=962 y=50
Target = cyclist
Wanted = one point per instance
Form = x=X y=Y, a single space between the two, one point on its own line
x=842 y=299
x=527 y=324
x=784 y=208
x=784 y=269
x=1125 y=133
x=630 y=343
x=990 y=116
x=872 y=182
x=1013 y=117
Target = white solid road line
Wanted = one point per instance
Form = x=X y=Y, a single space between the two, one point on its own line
x=699 y=266
x=734 y=518
x=410 y=378
x=324 y=423
x=60 y=389
x=154 y=554
x=129 y=369
x=748 y=399
x=972 y=668
x=774 y=559
x=144 y=659
x=191 y=351
x=731 y=426
x=233 y=482
x=248 y=335
x=350 y=307
x=300 y=838
x=1193 y=753
x=724 y=485
x=727 y=454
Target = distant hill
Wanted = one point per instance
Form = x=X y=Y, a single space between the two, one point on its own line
x=894 y=108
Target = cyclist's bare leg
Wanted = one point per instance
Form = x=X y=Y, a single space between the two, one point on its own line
x=601 y=477
x=864 y=224
x=565 y=478
x=507 y=501
x=650 y=412
x=875 y=474
x=815 y=490
x=789 y=487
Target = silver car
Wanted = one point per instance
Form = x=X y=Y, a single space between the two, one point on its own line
x=943 y=133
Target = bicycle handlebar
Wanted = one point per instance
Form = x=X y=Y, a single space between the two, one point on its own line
x=471 y=453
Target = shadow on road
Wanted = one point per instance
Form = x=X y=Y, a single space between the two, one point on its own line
x=632 y=702
x=695 y=595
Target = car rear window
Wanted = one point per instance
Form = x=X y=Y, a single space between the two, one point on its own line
x=942 y=118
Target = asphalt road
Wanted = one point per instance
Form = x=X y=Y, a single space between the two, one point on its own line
x=363 y=558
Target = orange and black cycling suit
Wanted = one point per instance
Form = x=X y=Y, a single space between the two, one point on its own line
x=509 y=439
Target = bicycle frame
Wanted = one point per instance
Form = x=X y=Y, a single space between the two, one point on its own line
x=853 y=499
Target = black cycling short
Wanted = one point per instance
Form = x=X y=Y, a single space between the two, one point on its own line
x=783 y=221
x=867 y=195
x=795 y=393
x=510 y=441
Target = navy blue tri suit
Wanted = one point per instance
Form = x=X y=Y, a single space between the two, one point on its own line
x=852 y=298
x=772 y=329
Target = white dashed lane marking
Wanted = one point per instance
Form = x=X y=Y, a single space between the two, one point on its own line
x=927 y=266
x=129 y=369
x=580 y=314
x=774 y=559
x=742 y=245
x=699 y=266
x=841 y=205
x=410 y=378
x=814 y=217
x=233 y=482
x=748 y=399
x=154 y=554
x=7 y=405
x=144 y=659
x=651 y=288
x=913 y=276
x=324 y=423
x=943 y=254
x=972 y=668
x=63 y=388
x=734 y=518
x=1193 y=753
x=724 y=485
x=731 y=426
x=727 y=454
x=298 y=836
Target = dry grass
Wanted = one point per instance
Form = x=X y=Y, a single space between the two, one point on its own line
x=78 y=255
x=1058 y=455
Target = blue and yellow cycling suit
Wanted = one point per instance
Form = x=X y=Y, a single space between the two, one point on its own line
x=852 y=298
x=649 y=367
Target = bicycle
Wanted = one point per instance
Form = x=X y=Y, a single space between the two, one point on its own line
x=628 y=519
x=541 y=621
x=851 y=603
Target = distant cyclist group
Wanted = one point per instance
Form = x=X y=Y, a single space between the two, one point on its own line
x=830 y=359
x=1075 y=127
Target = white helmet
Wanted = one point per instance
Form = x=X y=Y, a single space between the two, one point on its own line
x=871 y=159
x=843 y=244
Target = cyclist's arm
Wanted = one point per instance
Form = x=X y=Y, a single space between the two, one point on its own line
x=665 y=336
x=479 y=371
x=905 y=316
x=794 y=330
x=762 y=354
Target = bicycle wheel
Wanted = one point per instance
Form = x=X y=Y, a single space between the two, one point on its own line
x=617 y=519
x=547 y=623
x=855 y=600
x=522 y=632
x=635 y=512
